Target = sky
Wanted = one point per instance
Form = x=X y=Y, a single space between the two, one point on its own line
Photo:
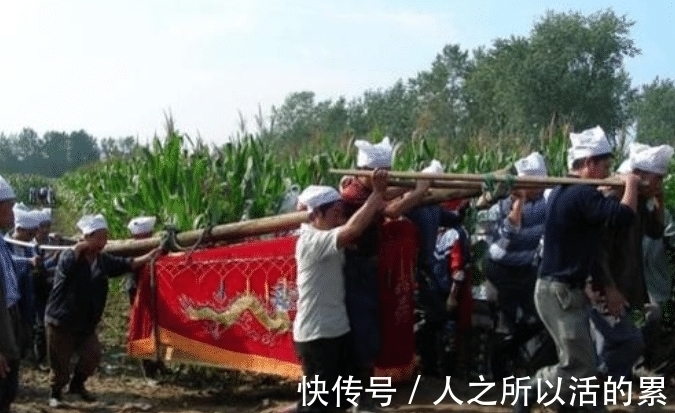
x=115 y=67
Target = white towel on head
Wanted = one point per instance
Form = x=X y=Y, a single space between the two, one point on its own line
x=591 y=142
x=374 y=155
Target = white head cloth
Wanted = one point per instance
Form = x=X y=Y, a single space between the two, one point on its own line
x=25 y=219
x=91 y=223
x=142 y=225
x=625 y=167
x=591 y=142
x=316 y=195
x=21 y=206
x=434 y=167
x=6 y=191
x=374 y=155
x=532 y=165
x=46 y=215
x=654 y=159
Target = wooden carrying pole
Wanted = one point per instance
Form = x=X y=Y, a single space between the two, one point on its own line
x=534 y=181
x=255 y=227
x=454 y=184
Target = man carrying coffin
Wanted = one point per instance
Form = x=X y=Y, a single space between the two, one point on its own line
x=510 y=261
x=619 y=342
x=9 y=312
x=142 y=228
x=575 y=216
x=43 y=280
x=76 y=305
x=361 y=260
x=26 y=262
x=321 y=330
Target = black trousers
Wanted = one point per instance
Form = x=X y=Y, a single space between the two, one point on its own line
x=329 y=358
x=10 y=384
x=515 y=288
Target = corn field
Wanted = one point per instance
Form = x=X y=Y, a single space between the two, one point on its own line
x=192 y=186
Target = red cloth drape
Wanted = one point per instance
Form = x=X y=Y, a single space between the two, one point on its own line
x=233 y=306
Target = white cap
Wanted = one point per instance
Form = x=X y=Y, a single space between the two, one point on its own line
x=90 y=223
x=21 y=206
x=6 y=191
x=374 y=156
x=46 y=215
x=654 y=159
x=25 y=219
x=142 y=225
x=316 y=195
x=532 y=165
x=434 y=167
x=591 y=142
x=625 y=167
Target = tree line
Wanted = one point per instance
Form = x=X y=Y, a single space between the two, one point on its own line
x=55 y=153
x=569 y=72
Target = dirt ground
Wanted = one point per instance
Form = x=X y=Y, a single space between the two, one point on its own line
x=120 y=388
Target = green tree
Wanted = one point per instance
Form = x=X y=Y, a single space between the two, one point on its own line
x=570 y=70
x=112 y=147
x=54 y=154
x=440 y=103
x=655 y=113
x=82 y=149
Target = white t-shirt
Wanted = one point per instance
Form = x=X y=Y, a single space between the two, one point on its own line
x=321 y=309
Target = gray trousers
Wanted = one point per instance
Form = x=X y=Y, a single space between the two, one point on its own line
x=565 y=314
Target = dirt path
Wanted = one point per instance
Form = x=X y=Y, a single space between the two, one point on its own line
x=124 y=391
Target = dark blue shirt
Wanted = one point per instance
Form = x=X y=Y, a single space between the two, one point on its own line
x=575 y=215
x=517 y=246
x=78 y=298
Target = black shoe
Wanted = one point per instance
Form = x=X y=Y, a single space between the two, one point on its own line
x=81 y=391
x=55 y=400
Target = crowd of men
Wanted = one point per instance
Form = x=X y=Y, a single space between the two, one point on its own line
x=580 y=259
x=44 y=196
x=577 y=258
x=52 y=302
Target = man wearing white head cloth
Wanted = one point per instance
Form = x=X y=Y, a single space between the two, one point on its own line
x=510 y=263
x=43 y=277
x=321 y=330
x=575 y=217
x=26 y=262
x=76 y=305
x=434 y=307
x=141 y=228
x=619 y=343
x=45 y=218
x=9 y=312
x=361 y=258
